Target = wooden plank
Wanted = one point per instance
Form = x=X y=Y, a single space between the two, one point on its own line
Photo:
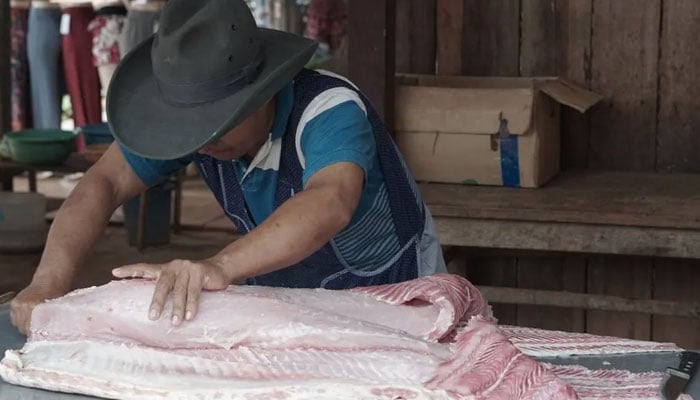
x=679 y=97
x=495 y=270
x=576 y=34
x=677 y=147
x=623 y=127
x=450 y=20
x=403 y=36
x=491 y=42
x=423 y=40
x=553 y=272
x=677 y=280
x=556 y=41
x=542 y=42
x=558 y=299
x=601 y=198
x=389 y=63
x=5 y=106
x=625 y=277
x=541 y=46
x=573 y=238
x=371 y=41
x=490 y=47
x=415 y=36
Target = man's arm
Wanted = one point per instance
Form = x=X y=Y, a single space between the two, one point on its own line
x=298 y=228
x=78 y=225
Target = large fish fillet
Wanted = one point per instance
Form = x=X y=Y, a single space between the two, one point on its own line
x=430 y=338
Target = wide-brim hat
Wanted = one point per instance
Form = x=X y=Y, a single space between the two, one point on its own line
x=207 y=68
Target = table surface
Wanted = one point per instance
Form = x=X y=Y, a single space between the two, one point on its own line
x=11 y=339
x=75 y=163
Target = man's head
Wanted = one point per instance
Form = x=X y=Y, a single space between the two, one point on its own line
x=246 y=138
x=206 y=73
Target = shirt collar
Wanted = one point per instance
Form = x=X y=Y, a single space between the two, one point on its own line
x=283 y=108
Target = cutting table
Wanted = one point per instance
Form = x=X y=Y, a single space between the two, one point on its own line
x=11 y=339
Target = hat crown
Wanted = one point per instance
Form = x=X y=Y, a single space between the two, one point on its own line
x=202 y=41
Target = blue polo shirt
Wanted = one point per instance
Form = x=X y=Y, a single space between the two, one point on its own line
x=334 y=128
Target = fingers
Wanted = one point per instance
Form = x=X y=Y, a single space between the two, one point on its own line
x=181 y=277
x=20 y=315
x=180 y=291
x=188 y=286
x=147 y=271
x=163 y=287
x=26 y=323
x=15 y=317
x=194 y=288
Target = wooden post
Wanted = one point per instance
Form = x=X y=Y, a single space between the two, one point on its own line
x=491 y=42
x=177 y=204
x=677 y=142
x=626 y=119
x=32 y=180
x=141 y=227
x=5 y=108
x=543 y=46
x=371 y=55
x=450 y=27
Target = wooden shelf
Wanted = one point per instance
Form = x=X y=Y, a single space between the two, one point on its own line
x=591 y=212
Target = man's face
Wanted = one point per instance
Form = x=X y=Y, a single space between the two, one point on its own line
x=245 y=139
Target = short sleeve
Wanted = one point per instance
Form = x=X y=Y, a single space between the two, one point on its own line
x=339 y=134
x=150 y=171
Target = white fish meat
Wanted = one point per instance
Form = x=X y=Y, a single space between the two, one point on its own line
x=430 y=338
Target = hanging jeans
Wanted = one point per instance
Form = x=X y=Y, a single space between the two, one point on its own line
x=81 y=74
x=45 y=72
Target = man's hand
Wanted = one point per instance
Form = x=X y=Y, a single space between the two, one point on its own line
x=183 y=278
x=22 y=306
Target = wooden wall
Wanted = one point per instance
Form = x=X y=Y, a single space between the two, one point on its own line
x=5 y=113
x=644 y=57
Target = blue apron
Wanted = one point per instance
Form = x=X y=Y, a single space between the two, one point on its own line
x=326 y=268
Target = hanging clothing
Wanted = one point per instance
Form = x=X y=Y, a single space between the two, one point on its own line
x=45 y=70
x=141 y=22
x=326 y=22
x=19 y=69
x=106 y=29
x=81 y=75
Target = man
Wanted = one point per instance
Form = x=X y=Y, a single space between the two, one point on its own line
x=297 y=159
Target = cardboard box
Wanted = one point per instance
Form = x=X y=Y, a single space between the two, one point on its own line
x=485 y=131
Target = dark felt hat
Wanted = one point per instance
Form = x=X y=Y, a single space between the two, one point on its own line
x=207 y=68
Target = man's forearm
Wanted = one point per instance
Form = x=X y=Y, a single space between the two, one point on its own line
x=298 y=228
x=78 y=224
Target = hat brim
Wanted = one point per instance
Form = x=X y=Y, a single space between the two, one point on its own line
x=146 y=124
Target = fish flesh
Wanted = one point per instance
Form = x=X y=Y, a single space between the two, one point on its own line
x=600 y=384
x=545 y=343
x=429 y=338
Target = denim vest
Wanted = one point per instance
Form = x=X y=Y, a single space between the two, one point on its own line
x=326 y=268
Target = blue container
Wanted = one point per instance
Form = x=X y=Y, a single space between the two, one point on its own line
x=158 y=212
x=96 y=133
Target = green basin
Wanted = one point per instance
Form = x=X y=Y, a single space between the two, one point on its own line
x=40 y=146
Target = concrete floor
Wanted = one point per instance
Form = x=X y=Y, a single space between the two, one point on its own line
x=200 y=210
